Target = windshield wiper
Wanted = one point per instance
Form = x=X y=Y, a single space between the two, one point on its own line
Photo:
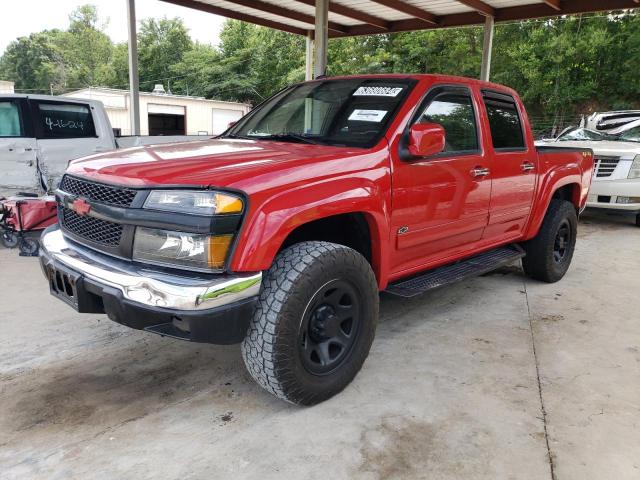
x=288 y=137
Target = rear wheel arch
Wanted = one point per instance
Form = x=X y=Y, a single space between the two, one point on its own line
x=569 y=192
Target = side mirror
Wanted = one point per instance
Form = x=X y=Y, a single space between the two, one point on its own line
x=426 y=139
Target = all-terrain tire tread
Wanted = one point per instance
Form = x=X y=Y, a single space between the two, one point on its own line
x=538 y=263
x=289 y=268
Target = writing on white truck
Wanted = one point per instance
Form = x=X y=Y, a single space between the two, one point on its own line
x=40 y=134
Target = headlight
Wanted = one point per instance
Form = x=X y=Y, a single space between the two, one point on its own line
x=635 y=168
x=192 y=251
x=202 y=202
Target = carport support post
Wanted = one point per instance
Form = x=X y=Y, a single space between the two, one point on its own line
x=321 y=37
x=308 y=66
x=134 y=80
x=487 y=46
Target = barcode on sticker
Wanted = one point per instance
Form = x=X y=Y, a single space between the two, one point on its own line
x=377 y=92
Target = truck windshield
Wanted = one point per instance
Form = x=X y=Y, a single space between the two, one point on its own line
x=632 y=135
x=584 y=134
x=350 y=112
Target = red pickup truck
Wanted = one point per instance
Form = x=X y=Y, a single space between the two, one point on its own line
x=281 y=232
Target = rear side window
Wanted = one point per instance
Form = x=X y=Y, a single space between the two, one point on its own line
x=64 y=120
x=10 y=119
x=504 y=121
x=454 y=111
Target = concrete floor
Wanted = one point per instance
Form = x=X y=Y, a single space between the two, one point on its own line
x=499 y=377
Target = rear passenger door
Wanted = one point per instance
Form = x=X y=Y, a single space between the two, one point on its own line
x=65 y=131
x=513 y=170
x=17 y=145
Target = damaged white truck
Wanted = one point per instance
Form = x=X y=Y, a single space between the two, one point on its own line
x=40 y=134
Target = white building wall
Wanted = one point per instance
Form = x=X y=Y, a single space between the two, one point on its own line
x=6 y=86
x=201 y=115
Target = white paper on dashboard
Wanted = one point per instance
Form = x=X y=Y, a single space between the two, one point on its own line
x=368 y=115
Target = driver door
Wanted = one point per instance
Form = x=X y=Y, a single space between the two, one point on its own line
x=441 y=203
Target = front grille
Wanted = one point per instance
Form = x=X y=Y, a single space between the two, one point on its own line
x=605 y=165
x=98 y=231
x=120 y=197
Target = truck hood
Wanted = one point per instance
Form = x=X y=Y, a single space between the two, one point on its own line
x=625 y=150
x=233 y=163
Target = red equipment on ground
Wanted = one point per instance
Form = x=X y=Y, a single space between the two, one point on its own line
x=22 y=214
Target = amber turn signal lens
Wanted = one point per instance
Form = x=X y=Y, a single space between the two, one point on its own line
x=228 y=204
x=218 y=250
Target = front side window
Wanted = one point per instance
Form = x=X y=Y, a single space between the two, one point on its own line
x=353 y=112
x=454 y=111
x=504 y=121
x=64 y=120
x=10 y=119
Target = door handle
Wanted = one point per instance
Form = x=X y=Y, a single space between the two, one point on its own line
x=527 y=166
x=480 y=172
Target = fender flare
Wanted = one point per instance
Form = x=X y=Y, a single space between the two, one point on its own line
x=276 y=216
x=553 y=180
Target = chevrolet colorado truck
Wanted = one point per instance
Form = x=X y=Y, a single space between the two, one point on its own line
x=280 y=233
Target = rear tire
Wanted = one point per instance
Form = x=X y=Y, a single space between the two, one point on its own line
x=314 y=323
x=550 y=252
x=638 y=220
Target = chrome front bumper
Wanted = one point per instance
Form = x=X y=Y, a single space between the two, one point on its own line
x=149 y=287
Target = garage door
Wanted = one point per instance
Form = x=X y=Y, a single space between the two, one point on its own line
x=222 y=117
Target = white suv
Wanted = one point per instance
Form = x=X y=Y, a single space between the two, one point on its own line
x=616 y=179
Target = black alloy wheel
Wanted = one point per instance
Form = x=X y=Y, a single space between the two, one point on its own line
x=329 y=327
x=562 y=241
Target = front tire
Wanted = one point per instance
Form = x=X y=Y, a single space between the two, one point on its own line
x=314 y=323
x=550 y=252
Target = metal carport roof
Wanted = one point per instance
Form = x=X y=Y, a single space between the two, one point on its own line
x=362 y=17
x=320 y=20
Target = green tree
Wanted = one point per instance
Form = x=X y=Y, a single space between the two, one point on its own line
x=161 y=44
x=86 y=48
x=35 y=62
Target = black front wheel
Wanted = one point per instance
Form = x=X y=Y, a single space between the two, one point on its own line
x=314 y=323
x=550 y=252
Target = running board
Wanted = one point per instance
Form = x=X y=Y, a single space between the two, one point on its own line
x=455 y=272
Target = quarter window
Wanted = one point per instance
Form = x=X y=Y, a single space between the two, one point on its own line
x=65 y=120
x=454 y=111
x=10 y=124
x=504 y=122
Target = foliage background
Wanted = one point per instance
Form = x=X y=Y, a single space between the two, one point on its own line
x=562 y=68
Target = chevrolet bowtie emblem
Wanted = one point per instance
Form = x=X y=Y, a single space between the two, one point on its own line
x=81 y=207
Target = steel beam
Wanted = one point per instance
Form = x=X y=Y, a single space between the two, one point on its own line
x=487 y=47
x=308 y=58
x=321 y=37
x=286 y=13
x=134 y=79
x=409 y=9
x=481 y=7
